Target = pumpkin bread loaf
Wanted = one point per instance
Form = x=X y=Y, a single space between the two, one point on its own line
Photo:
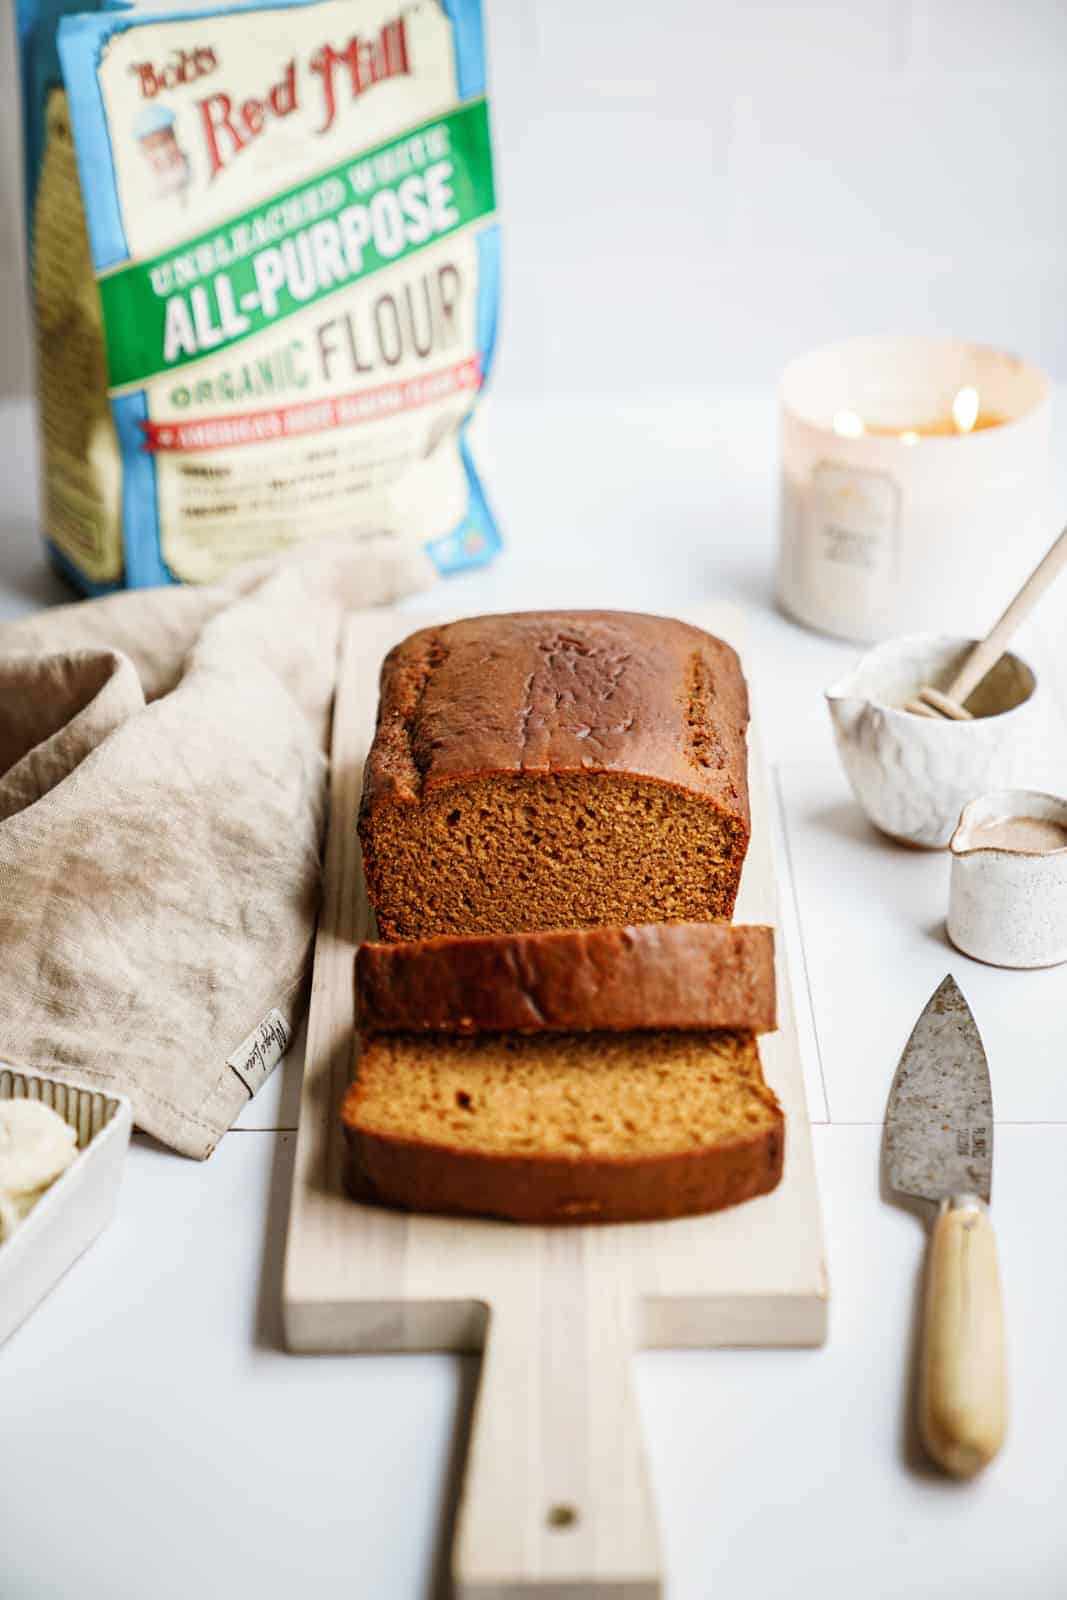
x=693 y=975
x=585 y=1127
x=554 y=770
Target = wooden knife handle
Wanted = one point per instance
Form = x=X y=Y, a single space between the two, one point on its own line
x=963 y=1388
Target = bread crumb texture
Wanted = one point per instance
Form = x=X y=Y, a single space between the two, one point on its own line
x=502 y=855
x=585 y=1094
x=563 y=1128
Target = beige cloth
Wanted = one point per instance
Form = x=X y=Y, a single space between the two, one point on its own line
x=162 y=784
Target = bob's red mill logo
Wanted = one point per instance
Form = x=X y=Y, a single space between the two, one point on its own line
x=332 y=78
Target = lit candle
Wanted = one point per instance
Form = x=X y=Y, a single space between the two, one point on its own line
x=914 y=485
x=965 y=416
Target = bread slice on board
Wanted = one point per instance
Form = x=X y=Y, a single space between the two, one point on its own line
x=609 y=1127
x=694 y=975
x=555 y=770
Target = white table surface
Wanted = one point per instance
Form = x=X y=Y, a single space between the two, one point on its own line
x=158 y=1442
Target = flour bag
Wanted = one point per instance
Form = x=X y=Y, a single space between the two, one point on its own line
x=265 y=272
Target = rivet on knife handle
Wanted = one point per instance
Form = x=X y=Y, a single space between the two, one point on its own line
x=963 y=1389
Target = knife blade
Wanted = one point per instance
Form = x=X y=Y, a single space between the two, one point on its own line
x=939 y=1121
x=938 y=1146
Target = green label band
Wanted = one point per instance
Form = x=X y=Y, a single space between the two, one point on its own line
x=333 y=230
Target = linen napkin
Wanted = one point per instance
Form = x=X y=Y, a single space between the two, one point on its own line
x=162 y=795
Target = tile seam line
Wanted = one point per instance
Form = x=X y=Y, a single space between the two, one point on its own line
x=776 y=772
x=274 y=1128
x=816 y=1122
x=998 y=1122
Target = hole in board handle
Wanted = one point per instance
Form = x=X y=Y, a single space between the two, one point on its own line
x=562 y=1516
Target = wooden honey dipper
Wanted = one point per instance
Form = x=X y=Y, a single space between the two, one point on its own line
x=949 y=703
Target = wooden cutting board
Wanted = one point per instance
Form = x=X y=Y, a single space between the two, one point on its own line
x=556 y=1502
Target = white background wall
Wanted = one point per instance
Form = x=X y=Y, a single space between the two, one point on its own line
x=697 y=189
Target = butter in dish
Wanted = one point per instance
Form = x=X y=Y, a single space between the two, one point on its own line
x=77 y=1206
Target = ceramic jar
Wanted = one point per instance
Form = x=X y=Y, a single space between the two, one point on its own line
x=913 y=775
x=1008 y=905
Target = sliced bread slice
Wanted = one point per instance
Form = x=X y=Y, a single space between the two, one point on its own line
x=657 y=975
x=562 y=1127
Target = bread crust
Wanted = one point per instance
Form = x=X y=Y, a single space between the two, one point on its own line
x=542 y=695
x=698 y=975
x=409 y=1174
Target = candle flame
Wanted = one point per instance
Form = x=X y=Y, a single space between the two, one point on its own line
x=965 y=409
x=909 y=436
x=848 y=425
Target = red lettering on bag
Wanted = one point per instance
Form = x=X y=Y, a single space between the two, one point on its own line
x=368 y=61
x=217 y=115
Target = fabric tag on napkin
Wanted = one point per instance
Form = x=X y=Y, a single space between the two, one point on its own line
x=257 y=1056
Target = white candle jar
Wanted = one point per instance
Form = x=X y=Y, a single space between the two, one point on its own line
x=884 y=532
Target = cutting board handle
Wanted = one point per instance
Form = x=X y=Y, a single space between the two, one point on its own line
x=556 y=1501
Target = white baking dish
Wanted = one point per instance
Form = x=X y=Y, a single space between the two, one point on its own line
x=78 y=1205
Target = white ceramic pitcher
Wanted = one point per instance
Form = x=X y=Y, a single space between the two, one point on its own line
x=1008 y=902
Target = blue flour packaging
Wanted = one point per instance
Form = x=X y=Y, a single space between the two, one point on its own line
x=265 y=270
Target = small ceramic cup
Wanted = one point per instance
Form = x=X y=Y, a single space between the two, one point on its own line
x=913 y=775
x=1008 y=891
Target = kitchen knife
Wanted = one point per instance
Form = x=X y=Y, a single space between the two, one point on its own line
x=939 y=1147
